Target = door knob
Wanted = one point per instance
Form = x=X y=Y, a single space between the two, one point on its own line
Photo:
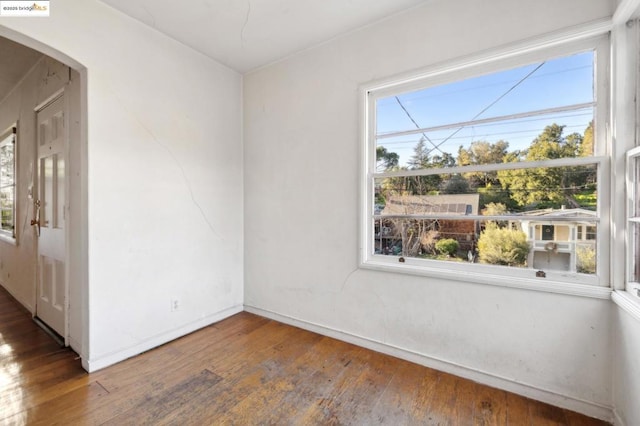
x=36 y=221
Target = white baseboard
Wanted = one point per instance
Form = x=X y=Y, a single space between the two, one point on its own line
x=550 y=397
x=101 y=362
x=617 y=420
x=76 y=346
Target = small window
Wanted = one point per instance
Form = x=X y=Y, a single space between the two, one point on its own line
x=481 y=169
x=633 y=221
x=8 y=183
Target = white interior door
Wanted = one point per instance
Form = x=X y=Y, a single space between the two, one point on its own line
x=50 y=208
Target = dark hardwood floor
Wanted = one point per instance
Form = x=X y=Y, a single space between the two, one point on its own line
x=243 y=370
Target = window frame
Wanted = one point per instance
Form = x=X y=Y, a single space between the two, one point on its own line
x=7 y=137
x=626 y=62
x=595 y=38
x=632 y=217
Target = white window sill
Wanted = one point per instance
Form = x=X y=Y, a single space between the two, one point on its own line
x=536 y=284
x=627 y=302
x=9 y=240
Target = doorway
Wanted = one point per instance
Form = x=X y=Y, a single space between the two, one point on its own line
x=45 y=266
x=50 y=210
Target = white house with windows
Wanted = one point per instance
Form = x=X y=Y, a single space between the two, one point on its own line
x=244 y=177
x=561 y=239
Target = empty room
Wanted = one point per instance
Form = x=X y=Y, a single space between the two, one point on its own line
x=330 y=212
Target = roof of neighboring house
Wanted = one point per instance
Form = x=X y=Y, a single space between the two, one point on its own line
x=577 y=213
x=445 y=205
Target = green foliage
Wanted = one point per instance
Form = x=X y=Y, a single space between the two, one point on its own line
x=518 y=189
x=495 y=194
x=443 y=161
x=494 y=209
x=7 y=220
x=502 y=246
x=554 y=186
x=551 y=144
x=403 y=185
x=447 y=246
x=587 y=199
x=456 y=184
x=586 y=147
x=386 y=160
x=420 y=159
x=482 y=152
x=586 y=259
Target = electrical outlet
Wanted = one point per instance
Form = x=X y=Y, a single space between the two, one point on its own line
x=175 y=305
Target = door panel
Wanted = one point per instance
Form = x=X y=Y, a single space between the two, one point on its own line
x=52 y=283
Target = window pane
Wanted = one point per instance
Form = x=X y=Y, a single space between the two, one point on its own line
x=6 y=208
x=430 y=239
x=548 y=217
x=520 y=92
x=504 y=243
x=562 y=190
x=502 y=93
x=7 y=184
x=635 y=196
x=7 y=167
x=634 y=243
x=554 y=247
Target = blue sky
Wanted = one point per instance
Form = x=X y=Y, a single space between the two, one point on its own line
x=557 y=82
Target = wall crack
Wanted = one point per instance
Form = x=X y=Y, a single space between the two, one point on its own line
x=246 y=21
x=153 y=19
x=347 y=278
x=177 y=164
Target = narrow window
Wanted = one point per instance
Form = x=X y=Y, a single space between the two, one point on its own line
x=633 y=221
x=8 y=183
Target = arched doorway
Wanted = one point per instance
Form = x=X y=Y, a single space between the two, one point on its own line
x=33 y=80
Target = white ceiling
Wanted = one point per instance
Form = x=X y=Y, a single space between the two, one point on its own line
x=246 y=34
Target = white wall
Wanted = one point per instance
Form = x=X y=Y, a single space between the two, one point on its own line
x=301 y=215
x=626 y=367
x=164 y=161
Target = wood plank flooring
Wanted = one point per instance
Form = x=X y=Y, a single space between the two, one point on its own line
x=244 y=370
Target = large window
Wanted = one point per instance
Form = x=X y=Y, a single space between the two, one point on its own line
x=493 y=168
x=8 y=183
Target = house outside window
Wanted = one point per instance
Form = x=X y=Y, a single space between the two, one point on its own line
x=8 y=184
x=522 y=135
x=548 y=232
